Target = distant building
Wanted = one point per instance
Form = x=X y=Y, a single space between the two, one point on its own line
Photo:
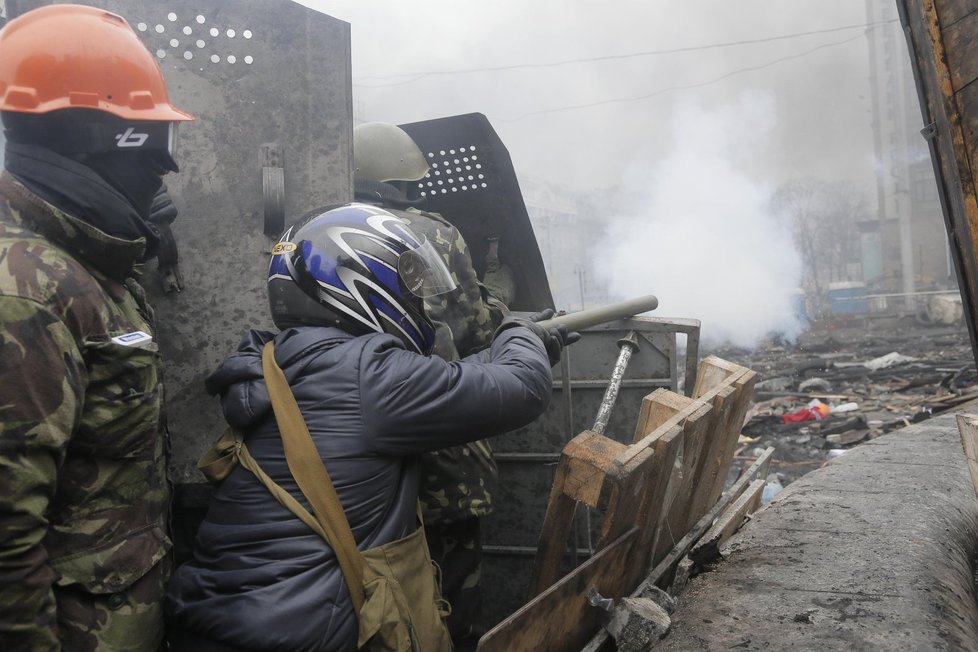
x=566 y=232
x=905 y=248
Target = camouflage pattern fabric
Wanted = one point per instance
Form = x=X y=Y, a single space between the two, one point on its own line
x=83 y=487
x=457 y=549
x=457 y=482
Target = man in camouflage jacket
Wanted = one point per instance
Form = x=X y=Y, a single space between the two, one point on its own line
x=83 y=488
x=456 y=483
x=84 y=547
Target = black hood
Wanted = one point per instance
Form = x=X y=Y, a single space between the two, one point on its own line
x=240 y=381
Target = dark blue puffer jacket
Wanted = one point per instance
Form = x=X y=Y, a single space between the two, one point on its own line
x=260 y=579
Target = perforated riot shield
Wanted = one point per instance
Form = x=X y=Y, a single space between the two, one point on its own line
x=473 y=185
x=269 y=84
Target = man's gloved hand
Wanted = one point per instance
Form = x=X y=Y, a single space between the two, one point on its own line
x=554 y=339
x=161 y=215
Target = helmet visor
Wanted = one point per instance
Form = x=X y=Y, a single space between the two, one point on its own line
x=170 y=156
x=423 y=271
x=171 y=138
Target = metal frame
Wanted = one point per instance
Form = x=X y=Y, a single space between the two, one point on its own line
x=527 y=458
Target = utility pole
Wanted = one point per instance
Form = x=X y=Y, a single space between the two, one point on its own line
x=581 y=276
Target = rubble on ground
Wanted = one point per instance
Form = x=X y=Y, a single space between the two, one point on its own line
x=834 y=389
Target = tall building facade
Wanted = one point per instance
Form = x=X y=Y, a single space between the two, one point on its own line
x=566 y=231
x=905 y=248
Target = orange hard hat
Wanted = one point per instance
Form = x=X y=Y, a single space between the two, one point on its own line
x=78 y=57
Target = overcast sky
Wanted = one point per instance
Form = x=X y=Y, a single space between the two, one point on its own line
x=408 y=58
x=699 y=109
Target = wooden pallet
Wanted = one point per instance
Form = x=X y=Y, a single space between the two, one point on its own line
x=662 y=483
x=715 y=526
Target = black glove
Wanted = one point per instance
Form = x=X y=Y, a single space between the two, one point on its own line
x=161 y=216
x=554 y=339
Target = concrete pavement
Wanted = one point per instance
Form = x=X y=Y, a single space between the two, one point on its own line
x=875 y=551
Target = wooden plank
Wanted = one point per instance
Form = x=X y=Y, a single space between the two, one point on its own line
x=704 y=474
x=657 y=408
x=707 y=438
x=553 y=535
x=580 y=476
x=654 y=506
x=696 y=439
x=621 y=485
x=707 y=549
x=589 y=457
x=748 y=503
x=968 y=430
x=664 y=408
x=713 y=371
x=560 y=618
x=645 y=492
x=623 y=496
x=600 y=641
x=744 y=385
x=664 y=568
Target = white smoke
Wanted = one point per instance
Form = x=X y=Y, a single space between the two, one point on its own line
x=701 y=237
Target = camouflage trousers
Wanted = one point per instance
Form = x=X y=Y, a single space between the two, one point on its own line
x=457 y=549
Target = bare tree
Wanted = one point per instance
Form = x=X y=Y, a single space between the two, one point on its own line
x=824 y=218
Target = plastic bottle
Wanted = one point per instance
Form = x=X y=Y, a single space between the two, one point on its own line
x=771 y=489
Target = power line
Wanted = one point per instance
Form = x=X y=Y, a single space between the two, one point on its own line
x=669 y=89
x=416 y=76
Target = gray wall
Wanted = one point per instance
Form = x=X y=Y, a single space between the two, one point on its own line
x=289 y=83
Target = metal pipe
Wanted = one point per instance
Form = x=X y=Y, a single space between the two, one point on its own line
x=628 y=345
x=567 y=386
x=576 y=321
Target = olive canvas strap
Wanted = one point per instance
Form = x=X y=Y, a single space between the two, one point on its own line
x=314 y=482
x=284 y=498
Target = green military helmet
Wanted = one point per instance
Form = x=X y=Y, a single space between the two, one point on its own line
x=384 y=152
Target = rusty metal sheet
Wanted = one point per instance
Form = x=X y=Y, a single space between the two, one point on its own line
x=961 y=46
x=952 y=145
x=951 y=11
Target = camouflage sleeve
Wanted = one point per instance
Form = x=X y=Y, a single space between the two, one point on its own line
x=41 y=375
x=471 y=312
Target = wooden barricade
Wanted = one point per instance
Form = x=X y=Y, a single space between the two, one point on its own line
x=706 y=535
x=650 y=493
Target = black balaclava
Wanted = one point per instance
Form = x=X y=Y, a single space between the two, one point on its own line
x=113 y=190
x=137 y=174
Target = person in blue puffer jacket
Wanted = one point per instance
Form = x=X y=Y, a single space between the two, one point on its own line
x=345 y=288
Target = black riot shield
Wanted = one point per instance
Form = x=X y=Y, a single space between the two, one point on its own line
x=473 y=185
